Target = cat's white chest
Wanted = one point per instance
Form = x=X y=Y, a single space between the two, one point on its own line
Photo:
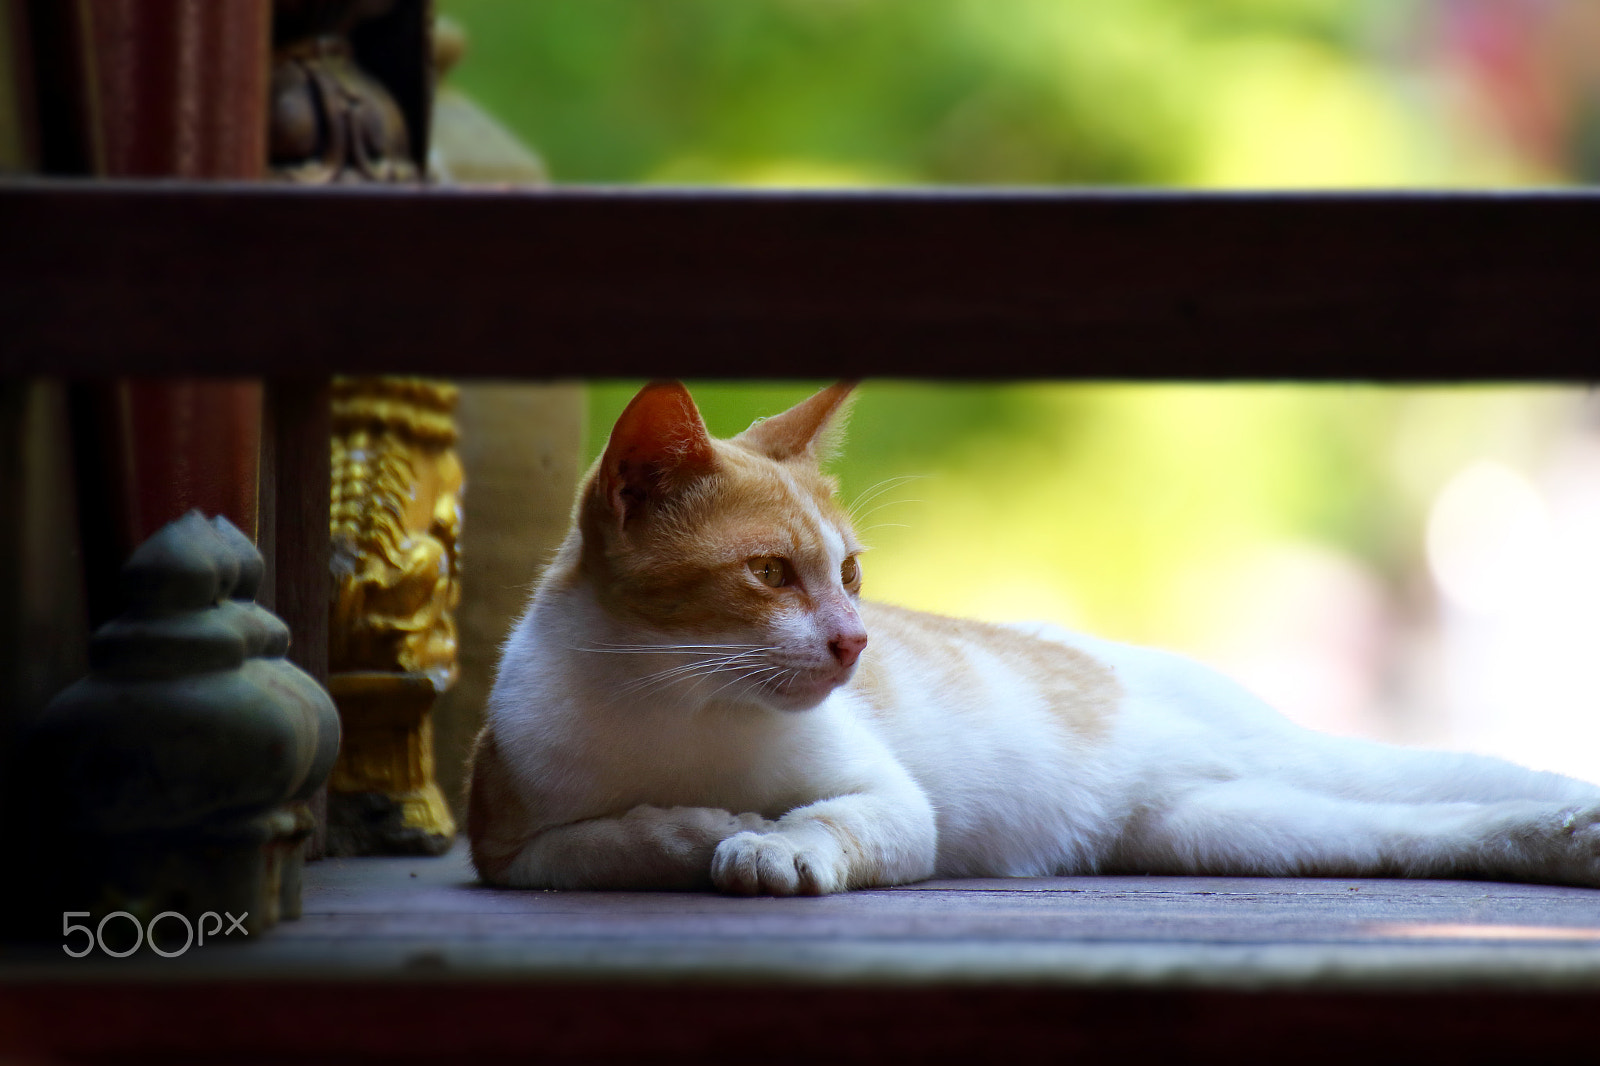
x=585 y=757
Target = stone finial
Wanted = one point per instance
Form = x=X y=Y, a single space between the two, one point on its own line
x=177 y=768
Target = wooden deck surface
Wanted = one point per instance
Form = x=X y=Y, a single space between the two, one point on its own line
x=379 y=915
x=411 y=958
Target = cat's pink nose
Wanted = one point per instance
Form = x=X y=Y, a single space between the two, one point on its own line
x=846 y=647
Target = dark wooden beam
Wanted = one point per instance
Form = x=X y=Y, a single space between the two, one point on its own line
x=296 y=489
x=176 y=278
x=415 y=1016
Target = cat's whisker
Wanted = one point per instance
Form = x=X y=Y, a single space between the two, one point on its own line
x=879 y=507
x=648 y=649
x=751 y=680
x=664 y=679
x=641 y=685
x=854 y=510
x=737 y=679
x=880 y=487
x=661 y=679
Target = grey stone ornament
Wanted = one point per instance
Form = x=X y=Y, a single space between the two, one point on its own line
x=176 y=773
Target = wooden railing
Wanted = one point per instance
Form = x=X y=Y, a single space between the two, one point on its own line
x=275 y=282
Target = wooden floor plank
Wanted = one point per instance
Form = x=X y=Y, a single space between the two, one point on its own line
x=411 y=958
x=369 y=917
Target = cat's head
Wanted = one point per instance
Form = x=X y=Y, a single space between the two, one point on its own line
x=734 y=552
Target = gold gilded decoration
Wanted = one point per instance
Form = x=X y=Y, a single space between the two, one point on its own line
x=395 y=521
x=388 y=752
x=396 y=516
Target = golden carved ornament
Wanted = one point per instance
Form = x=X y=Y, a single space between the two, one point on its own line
x=396 y=517
x=395 y=523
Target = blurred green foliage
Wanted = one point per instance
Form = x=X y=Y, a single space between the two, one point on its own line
x=1126 y=509
x=944 y=91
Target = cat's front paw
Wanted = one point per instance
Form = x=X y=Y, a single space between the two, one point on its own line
x=1560 y=845
x=777 y=864
x=1580 y=836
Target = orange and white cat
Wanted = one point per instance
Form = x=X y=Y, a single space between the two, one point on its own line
x=697 y=696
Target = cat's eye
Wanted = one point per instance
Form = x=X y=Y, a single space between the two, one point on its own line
x=850 y=575
x=771 y=571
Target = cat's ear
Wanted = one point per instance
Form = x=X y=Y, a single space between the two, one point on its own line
x=811 y=428
x=658 y=445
